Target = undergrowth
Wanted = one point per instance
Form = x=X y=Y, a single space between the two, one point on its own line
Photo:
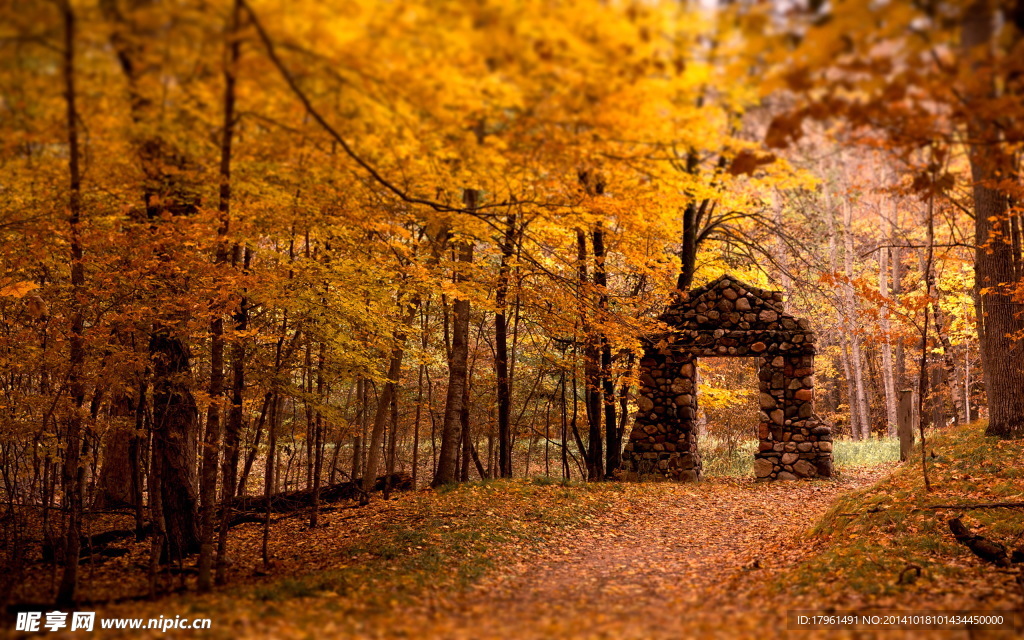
x=880 y=540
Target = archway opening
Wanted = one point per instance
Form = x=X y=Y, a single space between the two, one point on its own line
x=727 y=415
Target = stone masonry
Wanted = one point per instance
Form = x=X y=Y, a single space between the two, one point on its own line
x=728 y=318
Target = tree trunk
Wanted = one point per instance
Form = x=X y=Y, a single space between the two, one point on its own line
x=613 y=446
x=318 y=436
x=466 y=438
x=233 y=431
x=458 y=369
x=856 y=357
x=67 y=592
x=166 y=188
x=501 y=351
x=591 y=370
x=211 y=443
x=357 y=441
x=888 y=375
x=269 y=479
x=1000 y=321
x=899 y=353
x=175 y=428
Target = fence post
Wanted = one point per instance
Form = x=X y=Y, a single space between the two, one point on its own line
x=905 y=423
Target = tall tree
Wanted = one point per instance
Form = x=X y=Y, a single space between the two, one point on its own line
x=458 y=366
x=212 y=440
x=166 y=190
x=73 y=470
x=1001 y=317
x=504 y=383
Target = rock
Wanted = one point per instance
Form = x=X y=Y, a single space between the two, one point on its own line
x=684 y=400
x=785 y=475
x=824 y=466
x=730 y=294
x=789 y=458
x=689 y=475
x=767 y=401
x=645 y=404
x=743 y=304
x=804 y=394
x=805 y=469
x=777 y=416
x=825 y=447
x=767 y=316
x=804 y=446
x=763 y=467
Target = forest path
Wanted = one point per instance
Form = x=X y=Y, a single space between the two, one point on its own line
x=666 y=563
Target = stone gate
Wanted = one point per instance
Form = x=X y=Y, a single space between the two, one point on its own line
x=727 y=318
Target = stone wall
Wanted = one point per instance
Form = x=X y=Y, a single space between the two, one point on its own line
x=729 y=318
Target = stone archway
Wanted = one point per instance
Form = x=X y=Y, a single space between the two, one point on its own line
x=727 y=318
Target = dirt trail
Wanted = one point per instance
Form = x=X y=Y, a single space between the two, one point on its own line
x=666 y=563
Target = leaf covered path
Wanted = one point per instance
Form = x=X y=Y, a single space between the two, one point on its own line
x=671 y=562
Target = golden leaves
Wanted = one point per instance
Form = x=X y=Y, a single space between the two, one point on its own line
x=18 y=289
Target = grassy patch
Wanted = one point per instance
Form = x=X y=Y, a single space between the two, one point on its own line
x=847 y=454
x=721 y=458
x=873 y=536
x=724 y=458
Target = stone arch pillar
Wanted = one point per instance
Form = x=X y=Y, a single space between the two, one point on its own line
x=664 y=438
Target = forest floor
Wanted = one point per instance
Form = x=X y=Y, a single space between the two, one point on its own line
x=539 y=559
x=666 y=562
